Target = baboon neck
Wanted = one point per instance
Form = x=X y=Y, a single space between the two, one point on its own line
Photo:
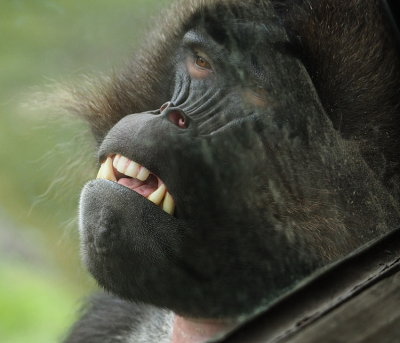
x=189 y=330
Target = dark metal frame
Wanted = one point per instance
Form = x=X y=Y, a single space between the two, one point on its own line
x=324 y=292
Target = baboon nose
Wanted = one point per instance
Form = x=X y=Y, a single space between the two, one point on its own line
x=168 y=104
x=175 y=115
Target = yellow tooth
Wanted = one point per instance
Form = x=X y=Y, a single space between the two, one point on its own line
x=158 y=195
x=106 y=170
x=101 y=171
x=122 y=164
x=168 y=204
x=132 y=169
x=115 y=160
x=143 y=174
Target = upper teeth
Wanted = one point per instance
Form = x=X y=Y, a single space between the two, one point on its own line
x=132 y=169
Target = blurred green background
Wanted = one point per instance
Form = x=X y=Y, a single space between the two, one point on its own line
x=45 y=159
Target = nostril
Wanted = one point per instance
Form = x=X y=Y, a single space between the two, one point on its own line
x=178 y=118
x=174 y=115
x=166 y=105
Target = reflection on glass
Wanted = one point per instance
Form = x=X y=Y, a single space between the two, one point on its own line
x=245 y=148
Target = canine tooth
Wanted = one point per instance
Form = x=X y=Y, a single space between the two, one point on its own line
x=101 y=171
x=132 y=169
x=158 y=195
x=122 y=164
x=143 y=174
x=168 y=204
x=106 y=170
x=115 y=160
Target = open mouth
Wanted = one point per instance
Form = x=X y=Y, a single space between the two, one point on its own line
x=134 y=176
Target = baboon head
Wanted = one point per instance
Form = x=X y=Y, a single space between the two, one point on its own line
x=226 y=175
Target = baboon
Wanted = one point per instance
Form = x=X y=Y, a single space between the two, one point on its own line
x=248 y=144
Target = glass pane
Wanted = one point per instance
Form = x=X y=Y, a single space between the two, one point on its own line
x=263 y=140
x=244 y=146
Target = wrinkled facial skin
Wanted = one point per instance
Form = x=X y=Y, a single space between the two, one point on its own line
x=266 y=190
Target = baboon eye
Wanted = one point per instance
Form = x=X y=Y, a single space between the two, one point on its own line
x=202 y=63
x=198 y=65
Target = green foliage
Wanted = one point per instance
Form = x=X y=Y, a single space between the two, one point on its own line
x=34 y=305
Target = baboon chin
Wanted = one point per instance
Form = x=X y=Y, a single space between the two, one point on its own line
x=249 y=144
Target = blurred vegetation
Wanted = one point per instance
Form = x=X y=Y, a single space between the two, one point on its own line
x=43 y=42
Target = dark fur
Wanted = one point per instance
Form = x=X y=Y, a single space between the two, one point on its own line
x=109 y=319
x=350 y=54
x=355 y=67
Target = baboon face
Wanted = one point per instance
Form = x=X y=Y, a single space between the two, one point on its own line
x=234 y=185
